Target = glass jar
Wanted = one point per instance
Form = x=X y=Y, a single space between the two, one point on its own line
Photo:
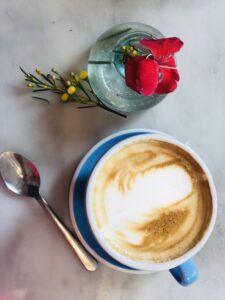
x=106 y=74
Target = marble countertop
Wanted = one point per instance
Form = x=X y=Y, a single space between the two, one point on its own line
x=35 y=263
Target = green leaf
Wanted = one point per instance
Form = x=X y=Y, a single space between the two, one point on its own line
x=46 y=78
x=62 y=80
x=38 y=80
x=84 y=91
x=25 y=73
x=86 y=85
x=87 y=106
x=40 y=90
x=115 y=34
x=57 y=92
x=39 y=98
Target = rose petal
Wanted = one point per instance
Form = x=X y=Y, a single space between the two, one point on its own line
x=162 y=48
x=170 y=62
x=131 y=67
x=148 y=77
x=141 y=75
x=169 y=81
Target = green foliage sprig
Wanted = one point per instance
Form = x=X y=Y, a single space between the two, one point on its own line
x=76 y=88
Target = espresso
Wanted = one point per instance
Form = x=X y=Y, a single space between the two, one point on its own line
x=151 y=201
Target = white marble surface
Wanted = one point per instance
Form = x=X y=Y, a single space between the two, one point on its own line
x=35 y=263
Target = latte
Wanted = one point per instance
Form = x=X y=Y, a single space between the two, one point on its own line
x=151 y=201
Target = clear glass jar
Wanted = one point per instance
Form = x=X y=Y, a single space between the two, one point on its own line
x=107 y=76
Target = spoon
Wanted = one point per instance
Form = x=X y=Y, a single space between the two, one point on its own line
x=22 y=177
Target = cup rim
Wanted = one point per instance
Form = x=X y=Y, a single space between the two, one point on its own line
x=151 y=266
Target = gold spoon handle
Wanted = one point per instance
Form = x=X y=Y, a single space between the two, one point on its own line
x=87 y=260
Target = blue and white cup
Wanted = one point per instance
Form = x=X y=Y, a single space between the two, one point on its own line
x=182 y=268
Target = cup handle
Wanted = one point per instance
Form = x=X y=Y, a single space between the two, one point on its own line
x=186 y=273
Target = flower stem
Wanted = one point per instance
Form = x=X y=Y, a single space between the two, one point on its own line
x=84 y=91
x=112 y=111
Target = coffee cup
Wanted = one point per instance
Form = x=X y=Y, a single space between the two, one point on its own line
x=151 y=204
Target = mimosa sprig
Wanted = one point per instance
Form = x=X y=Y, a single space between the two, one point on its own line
x=76 y=88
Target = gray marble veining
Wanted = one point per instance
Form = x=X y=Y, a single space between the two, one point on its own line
x=34 y=262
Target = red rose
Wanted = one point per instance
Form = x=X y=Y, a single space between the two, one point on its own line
x=158 y=75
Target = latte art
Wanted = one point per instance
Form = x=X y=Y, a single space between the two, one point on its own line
x=151 y=201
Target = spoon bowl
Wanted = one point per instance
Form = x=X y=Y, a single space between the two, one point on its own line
x=19 y=174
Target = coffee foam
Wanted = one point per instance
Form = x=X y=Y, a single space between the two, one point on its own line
x=151 y=201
